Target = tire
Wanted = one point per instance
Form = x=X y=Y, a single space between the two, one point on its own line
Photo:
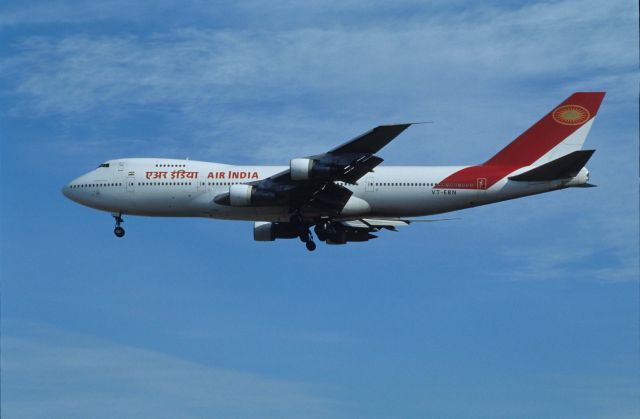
x=118 y=231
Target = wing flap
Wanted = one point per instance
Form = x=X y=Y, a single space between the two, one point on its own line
x=360 y=167
x=330 y=197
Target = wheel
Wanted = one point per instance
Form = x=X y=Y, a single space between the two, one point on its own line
x=118 y=231
x=311 y=246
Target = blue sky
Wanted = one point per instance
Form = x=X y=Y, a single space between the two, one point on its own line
x=526 y=308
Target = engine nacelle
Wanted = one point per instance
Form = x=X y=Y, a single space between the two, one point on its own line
x=301 y=169
x=240 y=195
x=246 y=195
x=305 y=169
x=266 y=231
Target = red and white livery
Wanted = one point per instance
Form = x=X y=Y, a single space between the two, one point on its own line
x=345 y=195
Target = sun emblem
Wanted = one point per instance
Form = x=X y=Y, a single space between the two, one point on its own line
x=570 y=115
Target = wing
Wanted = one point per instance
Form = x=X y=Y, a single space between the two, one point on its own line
x=371 y=141
x=310 y=182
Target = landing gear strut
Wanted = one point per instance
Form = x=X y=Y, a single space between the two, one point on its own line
x=118 y=231
x=303 y=232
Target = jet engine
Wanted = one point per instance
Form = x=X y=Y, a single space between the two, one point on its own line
x=266 y=231
x=301 y=168
x=240 y=195
x=304 y=169
x=246 y=195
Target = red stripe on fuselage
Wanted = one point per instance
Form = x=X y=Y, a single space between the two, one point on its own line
x=527 y=148
x=472 y=177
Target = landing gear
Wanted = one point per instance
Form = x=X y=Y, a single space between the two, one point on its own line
x=303 y=231
x=325 y=230
x=118 y=231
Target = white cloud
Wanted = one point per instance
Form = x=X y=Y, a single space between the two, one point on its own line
x=57 y=374
x=302 y=88
x=483 y=74
x=573 y=258
x=203 y=71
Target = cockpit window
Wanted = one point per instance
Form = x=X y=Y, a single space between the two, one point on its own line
x=104 y=165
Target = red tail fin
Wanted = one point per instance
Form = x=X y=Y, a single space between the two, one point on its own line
x=577 y=110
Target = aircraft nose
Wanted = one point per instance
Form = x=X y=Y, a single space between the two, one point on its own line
x=68 y=191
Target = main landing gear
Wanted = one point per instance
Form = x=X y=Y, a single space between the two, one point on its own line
x=303 y=232
x=311 y=245
x=118 y=231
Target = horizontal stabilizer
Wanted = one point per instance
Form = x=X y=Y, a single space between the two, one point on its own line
x=565 y=167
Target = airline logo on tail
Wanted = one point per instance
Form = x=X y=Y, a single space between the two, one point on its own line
x=571 y=115
x=564 y=130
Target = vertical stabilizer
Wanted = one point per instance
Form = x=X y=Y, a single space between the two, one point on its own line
x=558 y=133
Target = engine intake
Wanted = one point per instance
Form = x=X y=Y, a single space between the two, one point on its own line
x=240 y=195
x=305 y=169
x=301 y=169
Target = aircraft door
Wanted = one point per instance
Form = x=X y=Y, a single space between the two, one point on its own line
x=481 y=187
x=370 y=184
x=131 y=183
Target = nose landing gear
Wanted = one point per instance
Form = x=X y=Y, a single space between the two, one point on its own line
x=118 y=231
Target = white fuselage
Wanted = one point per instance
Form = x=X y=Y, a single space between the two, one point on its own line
x=186 y=188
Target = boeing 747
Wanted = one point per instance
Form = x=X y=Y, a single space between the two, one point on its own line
x=344 y=195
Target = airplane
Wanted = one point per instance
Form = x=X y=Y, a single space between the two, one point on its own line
x=345 y=195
